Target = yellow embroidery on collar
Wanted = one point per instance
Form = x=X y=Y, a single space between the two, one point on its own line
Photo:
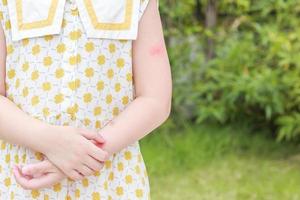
x=110 y=26
x=107 y=19
x=37 y=24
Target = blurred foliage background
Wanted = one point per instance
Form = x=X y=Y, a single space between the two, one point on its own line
x=234 y=131
x=236 y=60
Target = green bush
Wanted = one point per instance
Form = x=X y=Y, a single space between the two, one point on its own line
x=255 y=74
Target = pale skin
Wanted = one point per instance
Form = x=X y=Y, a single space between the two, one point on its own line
x=150 y=108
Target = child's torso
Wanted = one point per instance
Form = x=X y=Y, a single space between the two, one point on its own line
x=68 y=77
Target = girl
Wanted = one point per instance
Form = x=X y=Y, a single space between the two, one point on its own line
x=81 y=81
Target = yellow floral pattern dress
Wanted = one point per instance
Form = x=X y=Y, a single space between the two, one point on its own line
x=70 y=65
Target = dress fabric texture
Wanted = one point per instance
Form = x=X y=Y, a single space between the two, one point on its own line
x=79 y=75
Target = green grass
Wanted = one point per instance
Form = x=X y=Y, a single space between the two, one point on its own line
x=219 y=163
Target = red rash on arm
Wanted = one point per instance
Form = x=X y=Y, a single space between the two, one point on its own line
x=157 y=50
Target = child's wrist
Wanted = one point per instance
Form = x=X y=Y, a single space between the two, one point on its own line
x=44 y=135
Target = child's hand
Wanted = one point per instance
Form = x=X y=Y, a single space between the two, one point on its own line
x=38 y=175
x=72 y=151
x=42 y=174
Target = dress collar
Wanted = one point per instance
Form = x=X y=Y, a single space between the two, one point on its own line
x=101 y=18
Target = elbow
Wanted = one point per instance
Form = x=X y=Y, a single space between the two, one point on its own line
x=164 y=108
x=168 y=109
x=159 y=106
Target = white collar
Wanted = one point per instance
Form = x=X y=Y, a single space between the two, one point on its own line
x=101 y=18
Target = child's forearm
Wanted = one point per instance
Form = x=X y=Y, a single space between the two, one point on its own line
x=153 y=86
x=141 y=116
x=19 y=128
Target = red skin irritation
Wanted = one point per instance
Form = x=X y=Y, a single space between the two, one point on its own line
x=157 y=50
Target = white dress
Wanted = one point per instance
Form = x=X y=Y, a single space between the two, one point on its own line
x=69 y=62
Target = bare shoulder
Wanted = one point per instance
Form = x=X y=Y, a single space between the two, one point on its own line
x=150 y=35
x=150 y=22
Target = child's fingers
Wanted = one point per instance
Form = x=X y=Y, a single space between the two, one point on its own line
x=17 y=173
x=37 y=169
x=99 y=138
x=20 y=178
x=91 y=135
x=46 y=180
x=97 y=143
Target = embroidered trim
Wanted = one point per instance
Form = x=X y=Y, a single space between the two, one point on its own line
x=125 y=28
x=37 y=24
x=110 y=26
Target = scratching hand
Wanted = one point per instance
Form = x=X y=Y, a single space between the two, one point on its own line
x=42 y=174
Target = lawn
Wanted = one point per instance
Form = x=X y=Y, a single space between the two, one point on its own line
x=220 y=163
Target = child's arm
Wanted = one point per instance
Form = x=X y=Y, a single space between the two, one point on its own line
x=59 y=143
x=153 y=86
x=15 y=125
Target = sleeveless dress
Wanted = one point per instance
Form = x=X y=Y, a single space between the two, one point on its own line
x=69 y=62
